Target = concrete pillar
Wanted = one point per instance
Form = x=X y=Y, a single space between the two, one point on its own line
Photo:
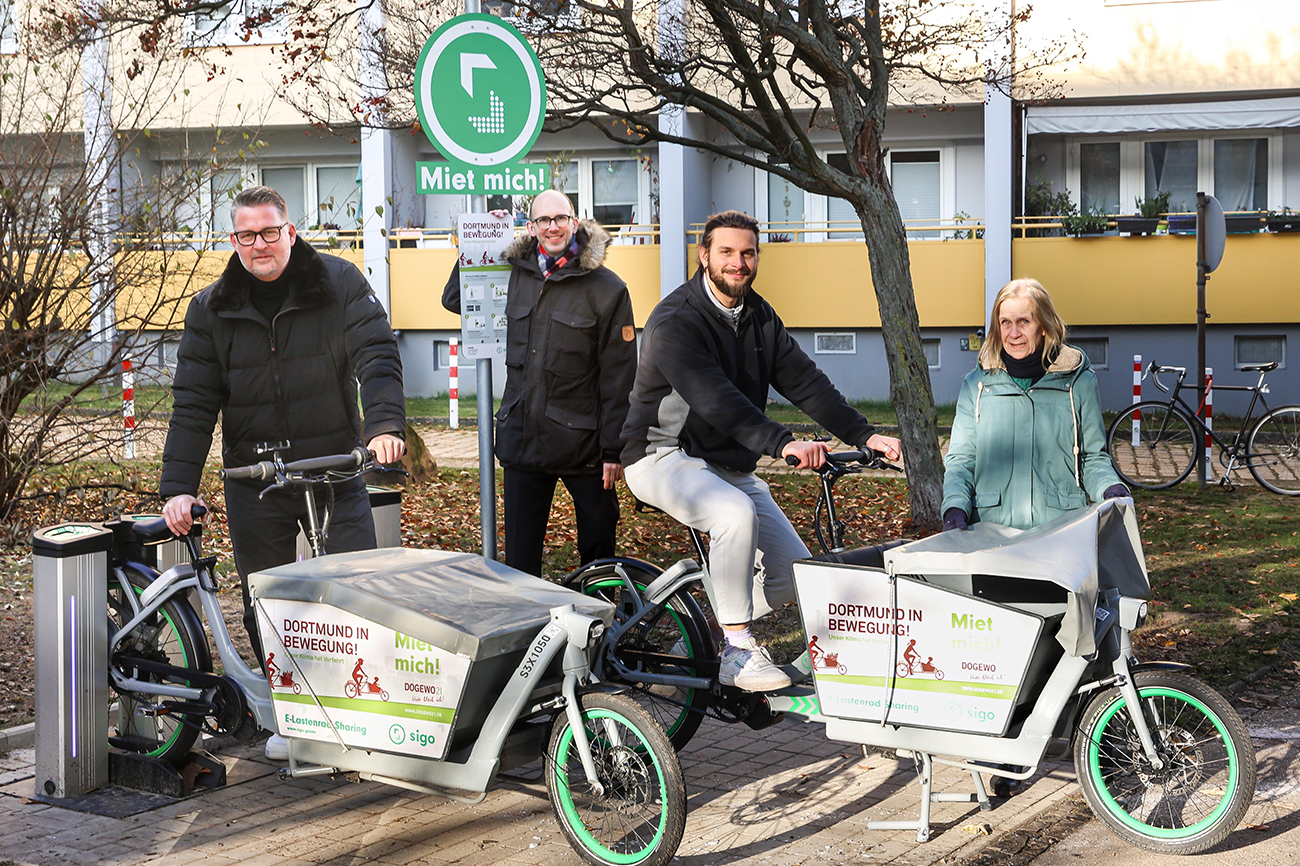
x=376 y=159
x=998 y=157
x=103 y=185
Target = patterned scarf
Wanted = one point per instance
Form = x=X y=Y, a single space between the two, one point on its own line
x=551 y=265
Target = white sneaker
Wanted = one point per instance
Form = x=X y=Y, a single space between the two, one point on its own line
x=277 y=748
x=679 y=648
x=750 y=667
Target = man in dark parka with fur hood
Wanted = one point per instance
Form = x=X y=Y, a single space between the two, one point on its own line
x=273 y=346
x=570 y=363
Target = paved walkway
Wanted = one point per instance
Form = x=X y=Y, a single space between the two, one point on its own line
x=786 y=795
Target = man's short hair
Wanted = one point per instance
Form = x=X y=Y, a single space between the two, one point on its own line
x=728 y=219
x=256 y=196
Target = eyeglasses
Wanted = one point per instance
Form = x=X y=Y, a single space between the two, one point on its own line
x=544 y=222
x=270 y=234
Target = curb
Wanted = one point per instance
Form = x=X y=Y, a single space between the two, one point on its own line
x=21 y=737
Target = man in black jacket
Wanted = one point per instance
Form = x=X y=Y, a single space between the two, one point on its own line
x=570 y=361
x=696 y=428
x=273 y=346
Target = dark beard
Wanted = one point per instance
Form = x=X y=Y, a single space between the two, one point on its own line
x=736 y=292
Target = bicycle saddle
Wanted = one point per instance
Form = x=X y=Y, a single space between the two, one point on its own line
x=1258 y=368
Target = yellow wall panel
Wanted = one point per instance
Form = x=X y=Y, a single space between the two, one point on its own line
x=417 y=278
x=1152 y=280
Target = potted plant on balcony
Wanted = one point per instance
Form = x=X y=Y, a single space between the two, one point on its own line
x=1284 y=220
x=1147 y=218
x=1244 y=223
x=1080 y=225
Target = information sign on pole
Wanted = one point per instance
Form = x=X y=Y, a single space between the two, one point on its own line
x=481 y=98
x=484 y=277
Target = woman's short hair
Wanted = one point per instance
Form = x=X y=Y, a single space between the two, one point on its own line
x=1049 y=321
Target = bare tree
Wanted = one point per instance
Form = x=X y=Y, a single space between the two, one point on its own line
x=97 y=252
x=770 y=77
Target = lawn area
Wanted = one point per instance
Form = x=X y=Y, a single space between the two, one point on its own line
x=154 y=398
x=1224 y=565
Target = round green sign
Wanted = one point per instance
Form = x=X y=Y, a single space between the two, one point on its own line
x=479 y=91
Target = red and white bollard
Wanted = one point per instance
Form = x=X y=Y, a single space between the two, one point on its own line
x=1137 y=398
x=128 y=410
x=453 y=383
x=1209 y=422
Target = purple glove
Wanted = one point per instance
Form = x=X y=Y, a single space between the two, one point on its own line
x=1116 y=491
x=955 y=518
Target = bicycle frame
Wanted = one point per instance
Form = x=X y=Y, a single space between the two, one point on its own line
x=1230 y=452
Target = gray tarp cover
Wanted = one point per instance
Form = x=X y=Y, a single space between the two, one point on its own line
x=1094 y=548
x=460 y=602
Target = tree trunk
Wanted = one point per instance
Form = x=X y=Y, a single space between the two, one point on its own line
x=909 y=374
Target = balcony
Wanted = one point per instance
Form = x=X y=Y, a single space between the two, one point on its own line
x=816 y=280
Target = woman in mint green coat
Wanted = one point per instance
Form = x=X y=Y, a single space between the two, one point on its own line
x=1028 y=443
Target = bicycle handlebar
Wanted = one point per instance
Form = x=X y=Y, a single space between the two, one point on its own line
x=868 y=457
x=270 y=469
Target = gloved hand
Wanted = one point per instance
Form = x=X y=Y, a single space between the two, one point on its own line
x=955 y=518
x=1116 y=491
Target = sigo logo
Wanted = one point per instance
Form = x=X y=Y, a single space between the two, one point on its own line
x=397 y=734
x=422 y=738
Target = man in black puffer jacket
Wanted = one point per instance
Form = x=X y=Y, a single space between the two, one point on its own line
x=273 y=346
x=570 y=362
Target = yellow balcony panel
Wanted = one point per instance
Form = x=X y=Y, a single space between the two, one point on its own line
x=828 y=285
x=418 y=277
x=1152 y=280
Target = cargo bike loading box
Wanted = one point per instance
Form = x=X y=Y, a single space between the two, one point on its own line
x=399 y=650
x=955 y=632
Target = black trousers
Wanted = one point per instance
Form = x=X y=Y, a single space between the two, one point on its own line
x=528 y=498
x=264 y=531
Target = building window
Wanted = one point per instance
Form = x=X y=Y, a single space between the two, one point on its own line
x=338 y=197
x=1099 y=177
x=1241 y=173
x=239 y=22
x=840 y=343
x=441 y=355
x=1170 y=166
x=1259 y=350
x=1096 y=348
x=931 y=348
x=614 y=191
x=8 y=28
x=536 y=16
x=785 y=209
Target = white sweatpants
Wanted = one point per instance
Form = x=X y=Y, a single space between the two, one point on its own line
x=751 y=542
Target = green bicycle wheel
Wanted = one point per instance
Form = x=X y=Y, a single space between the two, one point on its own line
x=1207 y=775
x=639 y=815
x=172 y=636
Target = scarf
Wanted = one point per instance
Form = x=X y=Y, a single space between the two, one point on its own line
x=550 y=265
x=1032 y=367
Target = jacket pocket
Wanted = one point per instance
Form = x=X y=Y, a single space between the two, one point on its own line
x=520 y=321
x=570 y=419
x=571 y=347
x=988 y=498
x=1066 y=500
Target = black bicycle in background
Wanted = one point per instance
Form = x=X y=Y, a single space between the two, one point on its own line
x=1153 y=443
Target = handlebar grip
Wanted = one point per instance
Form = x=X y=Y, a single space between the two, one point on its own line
x=341 y=462
x=197 y=511
x=792 y=460
x=256 y=472
x=850 y=456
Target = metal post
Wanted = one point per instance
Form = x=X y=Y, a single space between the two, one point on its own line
x=487 y=475
x=1202 y=274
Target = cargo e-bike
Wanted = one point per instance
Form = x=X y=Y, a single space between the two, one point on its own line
x=487 y=669
x=1033 y=631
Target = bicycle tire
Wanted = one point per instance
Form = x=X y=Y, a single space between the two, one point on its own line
x=1166 y=453
x=678 y=710
x=1208 y=778
x=350 y=689
x=639 y=818
x=1273 y=451
x=172 y=635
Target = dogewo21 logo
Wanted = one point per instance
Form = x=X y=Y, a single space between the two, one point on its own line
x=479 y=91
